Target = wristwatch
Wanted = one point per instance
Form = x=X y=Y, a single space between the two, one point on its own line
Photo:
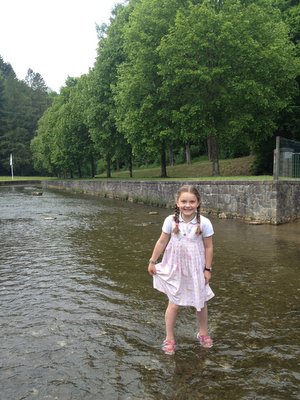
x=208 y=269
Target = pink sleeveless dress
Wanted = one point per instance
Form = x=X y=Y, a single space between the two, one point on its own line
x=180 y=274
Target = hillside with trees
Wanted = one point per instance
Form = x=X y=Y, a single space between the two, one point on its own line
x=174 y=80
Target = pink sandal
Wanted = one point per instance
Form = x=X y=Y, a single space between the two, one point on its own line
x=205 y=341
x=169 y=347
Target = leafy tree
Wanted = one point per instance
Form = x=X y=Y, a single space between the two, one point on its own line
x=141 y=108
x=289 y=119
x=45 y=145
x=77 y=140
x=234 y=68
x=291 y=14
x=109 y=141
x=62 y=144
x=289 y=123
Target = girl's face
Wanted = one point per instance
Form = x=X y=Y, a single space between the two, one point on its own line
x=187 y=204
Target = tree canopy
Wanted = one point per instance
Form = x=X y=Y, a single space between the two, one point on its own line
x=232 y=73
x=22 y=103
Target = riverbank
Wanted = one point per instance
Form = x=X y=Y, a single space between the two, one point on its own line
x=20 y=182
x=271 y=202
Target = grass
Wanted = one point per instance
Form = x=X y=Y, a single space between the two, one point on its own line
x=231 y=169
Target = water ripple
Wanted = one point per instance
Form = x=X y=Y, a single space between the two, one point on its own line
x=80 y=320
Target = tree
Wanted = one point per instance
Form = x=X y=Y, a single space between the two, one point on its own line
x=35 y=81
x=18 y=127
x=63 y=145
x=289 y=123
x=109 y=141
x=21 y=107
x=141 y=110
x=2 y=119
x=44 y=146
x=6 y=69
x=234 y=68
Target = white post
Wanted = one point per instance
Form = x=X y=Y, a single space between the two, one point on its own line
x=11 y=166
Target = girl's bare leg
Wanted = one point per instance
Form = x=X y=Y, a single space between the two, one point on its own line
x=202 y=317
x=170 y=320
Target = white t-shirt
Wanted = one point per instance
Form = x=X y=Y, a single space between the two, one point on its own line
x=205 y=225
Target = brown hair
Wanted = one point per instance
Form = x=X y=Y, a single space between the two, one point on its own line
x=187 y=189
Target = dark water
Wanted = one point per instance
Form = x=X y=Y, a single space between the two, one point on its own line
x=80 y=320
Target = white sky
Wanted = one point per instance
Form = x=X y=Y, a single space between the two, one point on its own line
x=56 y=38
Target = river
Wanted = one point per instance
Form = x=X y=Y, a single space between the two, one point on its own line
x=80 y=319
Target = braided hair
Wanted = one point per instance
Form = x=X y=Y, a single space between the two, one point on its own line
x=187 y=189
x=176 y=219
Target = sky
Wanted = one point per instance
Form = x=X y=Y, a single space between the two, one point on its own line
x=55 y=38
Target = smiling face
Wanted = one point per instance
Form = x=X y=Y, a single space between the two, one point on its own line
x=187 y=203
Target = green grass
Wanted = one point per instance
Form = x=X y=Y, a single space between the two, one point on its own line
x=231 y=169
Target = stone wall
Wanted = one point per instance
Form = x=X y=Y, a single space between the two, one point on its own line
x=272 y=202
x=20 y=183
x=288 y=201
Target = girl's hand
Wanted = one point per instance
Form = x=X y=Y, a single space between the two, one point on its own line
x=207 y=277
x=151 y=269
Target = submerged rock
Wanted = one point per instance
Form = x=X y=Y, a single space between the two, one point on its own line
x=222 y=215
x=255 y=223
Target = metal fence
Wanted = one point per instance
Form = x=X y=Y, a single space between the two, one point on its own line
x=286 y=159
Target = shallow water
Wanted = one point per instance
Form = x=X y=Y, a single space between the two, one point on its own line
x=80 y=320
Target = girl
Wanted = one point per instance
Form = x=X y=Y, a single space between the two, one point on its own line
x=185 y=270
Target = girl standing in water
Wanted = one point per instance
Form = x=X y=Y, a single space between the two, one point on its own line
x=185 y=270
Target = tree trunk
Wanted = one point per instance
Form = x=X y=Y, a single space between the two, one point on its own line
x=93 y=172
x=163 y=161
x=130 y=163
x=213 y=155
x=171 y=155
x=188 y=154
x=108 y=167
x=79 y=170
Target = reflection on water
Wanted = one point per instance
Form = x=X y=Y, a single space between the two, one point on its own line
x=80 y=320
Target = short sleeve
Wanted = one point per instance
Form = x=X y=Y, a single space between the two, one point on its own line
x=206 y=227
x=168 y=225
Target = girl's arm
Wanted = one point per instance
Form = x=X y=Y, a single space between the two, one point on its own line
x=209 y=250
x=157 y=251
